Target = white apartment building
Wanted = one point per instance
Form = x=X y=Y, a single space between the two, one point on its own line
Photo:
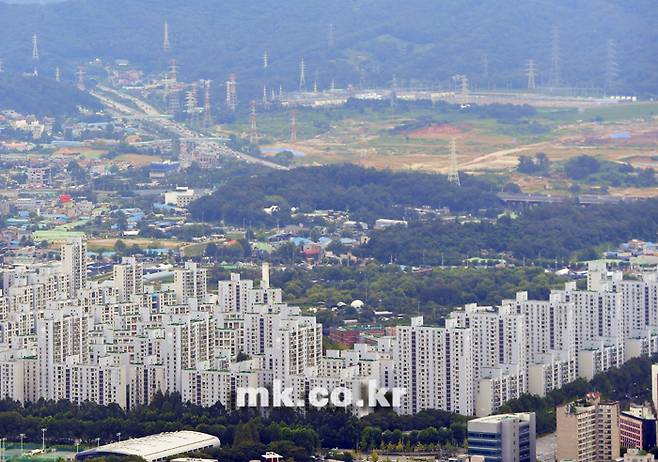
x=62 y=336
x=74 y=264
x=128 y=278
x=190 y=282
x=435 y=367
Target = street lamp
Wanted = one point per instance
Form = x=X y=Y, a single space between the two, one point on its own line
x=119 y=436
x=43 y=439
x=22 y=436
x=98 y=442
x=77 y=445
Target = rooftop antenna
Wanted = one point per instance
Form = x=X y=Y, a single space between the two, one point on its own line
x=207 y=109
x=330 y=40
x=302 y=75
x=293 y=126
x=453 y=173
x=531 y=73
x=555 y=78
x=611 y=67
x=253 y=134
x=81 y=79
x=35 y=53
x=166 y=46
x=333 y=84
x=280 y=92
x=266 y=61
x=315 y=82
x=485 y=69
x=58 y=75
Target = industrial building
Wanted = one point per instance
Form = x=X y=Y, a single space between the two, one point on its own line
x=154 y=448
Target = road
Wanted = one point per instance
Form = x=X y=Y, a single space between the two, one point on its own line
x=477 y=162
x=111 y=98
x=547 y=448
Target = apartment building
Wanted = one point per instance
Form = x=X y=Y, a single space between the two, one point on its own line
x=588 y=430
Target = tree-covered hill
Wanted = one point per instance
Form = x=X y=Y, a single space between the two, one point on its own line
x=367 y=194
x=547 y=232
x=417 y=40
x=42 y=96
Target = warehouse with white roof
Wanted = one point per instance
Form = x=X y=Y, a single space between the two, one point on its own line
x=154 y=448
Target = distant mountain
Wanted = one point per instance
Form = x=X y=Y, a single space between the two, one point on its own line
x=423 y=41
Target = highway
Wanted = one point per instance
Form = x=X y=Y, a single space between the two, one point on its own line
x=112 y=99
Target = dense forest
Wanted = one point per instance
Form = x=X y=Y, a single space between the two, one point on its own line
x=371 y=40
x=244 y=435
x=368 y=194
x=545 y=232
x=433 y=294
x=42 y=96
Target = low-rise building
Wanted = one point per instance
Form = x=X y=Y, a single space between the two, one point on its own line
x=505 y=437
x=637 y=427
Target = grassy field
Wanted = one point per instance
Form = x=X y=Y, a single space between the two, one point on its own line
x=97 y=245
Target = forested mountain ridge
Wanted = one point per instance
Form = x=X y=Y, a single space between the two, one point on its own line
x=42 y=96
x=418 y=40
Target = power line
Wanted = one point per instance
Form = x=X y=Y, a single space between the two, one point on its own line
x=453 y=173
x=166 y=46
x=302 y=75
x=611 y=67
x=555 y=74
x=531 y=73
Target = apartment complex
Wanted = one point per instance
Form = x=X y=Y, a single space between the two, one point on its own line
x=122 y=340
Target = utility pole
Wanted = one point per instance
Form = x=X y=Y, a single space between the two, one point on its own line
x=462 y=82
x=58 y=75
x=207 y=110
x=293 y=126
x=302 y=76
x=555 y=77
x=173 y=103
x=453 y=173
x=330 y=39
x=611 y=67
x=531 y=73
x=166 y=46
x=35 y=54
x=231 y=92
x=43 y=439
x=191 y=104
x=266 y=101
x=253 y=134
x=81 y=79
